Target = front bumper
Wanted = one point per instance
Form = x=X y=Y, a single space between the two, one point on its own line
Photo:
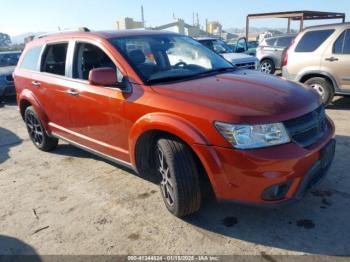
x=243 y=175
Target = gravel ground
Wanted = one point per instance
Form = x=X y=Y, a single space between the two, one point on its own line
x=71 y=202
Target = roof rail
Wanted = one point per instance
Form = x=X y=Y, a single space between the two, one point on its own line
x=80 y=29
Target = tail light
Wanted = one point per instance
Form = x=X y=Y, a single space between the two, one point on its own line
x=285 y=54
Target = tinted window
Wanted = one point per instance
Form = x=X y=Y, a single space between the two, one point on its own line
x=271 y=41
x=338 y=45
x=88 y=57
x=284 y=41
x=312 y=40
x=30 y=60
x=54 y=59
x=346 y=49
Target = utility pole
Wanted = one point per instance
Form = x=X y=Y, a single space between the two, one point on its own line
x=142 y=16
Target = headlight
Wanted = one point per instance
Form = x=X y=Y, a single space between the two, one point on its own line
x=253 y=136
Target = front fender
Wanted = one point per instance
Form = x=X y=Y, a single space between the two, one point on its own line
x=29 y=96
x=164 y=122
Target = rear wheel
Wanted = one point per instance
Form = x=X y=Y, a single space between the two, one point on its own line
x=267 y=66
x=323 y=87
x=180 y=185
x=36 y=131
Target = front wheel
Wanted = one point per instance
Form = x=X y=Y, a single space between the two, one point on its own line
x=178 y=172
x=36 y=131
x=323 y=87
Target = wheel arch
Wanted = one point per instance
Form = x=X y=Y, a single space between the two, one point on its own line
x=145 y=131
x=306 y=76
x=27 y=98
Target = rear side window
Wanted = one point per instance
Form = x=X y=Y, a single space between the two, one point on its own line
x=271 y=41
x=54 y=59
x=31 y=58
x=284 y=41
x=342 y=45
x=312 y=40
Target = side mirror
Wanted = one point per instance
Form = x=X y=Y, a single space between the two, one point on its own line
x=103 y=76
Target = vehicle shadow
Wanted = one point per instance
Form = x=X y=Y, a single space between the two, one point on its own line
x=13 y=249
x=72 y=151
x=318 y=224
x=340 y=104
x=8 y=139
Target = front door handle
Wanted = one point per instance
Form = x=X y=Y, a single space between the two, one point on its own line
x=332 y=59
x=36 y=83
x=72 y=92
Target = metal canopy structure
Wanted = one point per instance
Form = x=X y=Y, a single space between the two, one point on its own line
x=295 y=16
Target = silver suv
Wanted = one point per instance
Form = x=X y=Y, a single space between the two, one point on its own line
x=320 y=58
x=270 y=50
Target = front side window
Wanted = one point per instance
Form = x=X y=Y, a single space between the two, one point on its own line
x=54 y=59
x=164 y=58
x=312 y=40
x=342 y=44
x=87 y=57
x=31 y=58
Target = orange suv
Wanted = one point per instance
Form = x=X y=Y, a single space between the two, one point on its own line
x=163 y=104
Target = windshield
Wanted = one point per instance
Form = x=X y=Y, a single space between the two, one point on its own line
x=9 y=59
x=165 y=58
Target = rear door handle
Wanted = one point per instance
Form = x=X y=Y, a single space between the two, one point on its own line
x=332 y=59
x=72 y=92
x=36 y=83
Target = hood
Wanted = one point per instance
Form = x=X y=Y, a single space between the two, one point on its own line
x=244 y=96
x=7 y=70
x=239 y=57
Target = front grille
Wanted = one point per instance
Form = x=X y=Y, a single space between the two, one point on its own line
x=9 y=78
x=307 y=129
x=246 y=65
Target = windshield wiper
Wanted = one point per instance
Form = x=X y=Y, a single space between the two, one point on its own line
x=181 y=77
x=168 y=79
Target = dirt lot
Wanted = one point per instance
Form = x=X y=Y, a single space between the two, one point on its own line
x=70 y=202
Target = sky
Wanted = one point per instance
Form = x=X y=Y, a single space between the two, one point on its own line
x=21 y=16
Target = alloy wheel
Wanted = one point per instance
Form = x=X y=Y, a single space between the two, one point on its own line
x=166 y=185
x=319 y=89
x=34 y=129
x=266 y=68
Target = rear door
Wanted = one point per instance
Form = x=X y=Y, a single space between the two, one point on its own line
x=52 y=84
x=336 y=60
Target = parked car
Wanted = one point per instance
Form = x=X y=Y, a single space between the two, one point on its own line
x=258 y=139
x=270 y=50
x=320 y=58
x=8 y=61
x=241 y=45
x=252 y=46
x=236 y=57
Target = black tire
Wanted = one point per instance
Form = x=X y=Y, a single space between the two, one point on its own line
x=182 y=180
x=267 y=66
x=323 y=87
x=36 y=131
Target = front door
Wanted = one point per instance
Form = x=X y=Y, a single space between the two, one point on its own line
x=97 y=111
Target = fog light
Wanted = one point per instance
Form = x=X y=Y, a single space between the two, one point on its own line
x=276 y=192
